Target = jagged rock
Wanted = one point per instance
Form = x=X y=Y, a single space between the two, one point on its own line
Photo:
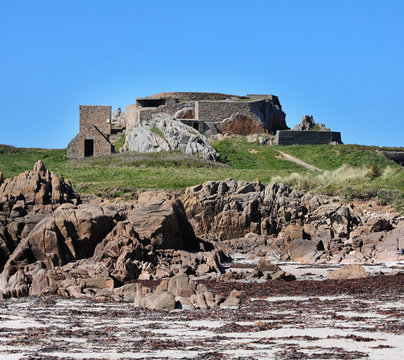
x=231 y=209
x=36 y=187
x=163 y=133
x=381 y=225
x=347 y=272
x=162 y=220
x=307 y=124
x=68 y=234
x=386 y=250
x=118 y=118
x=240 y=124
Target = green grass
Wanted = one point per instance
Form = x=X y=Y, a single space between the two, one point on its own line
x=16 y=160
x=159 y=133
x=126 y=174
x=119 y=143
x=129 y=173
x=328 y=157
x=239 y=154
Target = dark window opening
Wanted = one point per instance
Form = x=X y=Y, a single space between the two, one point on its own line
x=151 y=102
x=88 y=147
x=195 y=125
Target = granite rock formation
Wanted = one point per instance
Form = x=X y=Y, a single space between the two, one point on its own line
x=118 y=118
x=308 y=124
x=297 y=226
x=52 y=244
x=163 y=133
x=239 y=124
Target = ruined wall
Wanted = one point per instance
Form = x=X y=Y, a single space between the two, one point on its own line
x=266 y=112
x=192 y=96
x=307 y=137
x=215 y=111
x=102 y=146
x=99 y=116
x=134 y=114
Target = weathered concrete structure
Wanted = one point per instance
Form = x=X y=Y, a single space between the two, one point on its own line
x=206 y=112
x=95 y=132
x=308 y=132
x=290 y=137
x=396 y=156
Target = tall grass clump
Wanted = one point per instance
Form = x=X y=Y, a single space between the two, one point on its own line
x=327 y=181
x=389 y=172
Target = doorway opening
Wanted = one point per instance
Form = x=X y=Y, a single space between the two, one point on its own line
x=88 y=147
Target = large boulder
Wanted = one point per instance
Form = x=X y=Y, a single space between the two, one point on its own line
x=68 y=234
x=348 y=272
x=240 y=124
x=163 y=133
x=162 y=220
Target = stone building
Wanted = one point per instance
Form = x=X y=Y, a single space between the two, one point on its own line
x=208 y=113
x=95 y=133
x=211 y=113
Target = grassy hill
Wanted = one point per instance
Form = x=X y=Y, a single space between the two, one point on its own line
x=351 y=170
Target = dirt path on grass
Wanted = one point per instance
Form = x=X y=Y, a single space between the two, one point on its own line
x=298 y=161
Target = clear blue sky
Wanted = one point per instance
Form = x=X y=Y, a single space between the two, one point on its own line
x=340 y=61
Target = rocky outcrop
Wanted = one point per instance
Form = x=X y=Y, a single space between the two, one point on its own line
x=25 y=200
x=147 y=239
x=239 y=124
x=230 y=209
x=308 y=124
x=269 y=271
x=299 y=227
x=181 y=292
x=33 y=190
x=163 y=133
x=118 y=118
x=70 y=233
x=54 y=245
x=155 y=222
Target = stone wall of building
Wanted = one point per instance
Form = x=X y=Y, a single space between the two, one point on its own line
x=265 y=111
x=192 y=96
x=99 y=116
x=216 y=111
x=290 y=137
x=135 y=114
x=102 y=146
